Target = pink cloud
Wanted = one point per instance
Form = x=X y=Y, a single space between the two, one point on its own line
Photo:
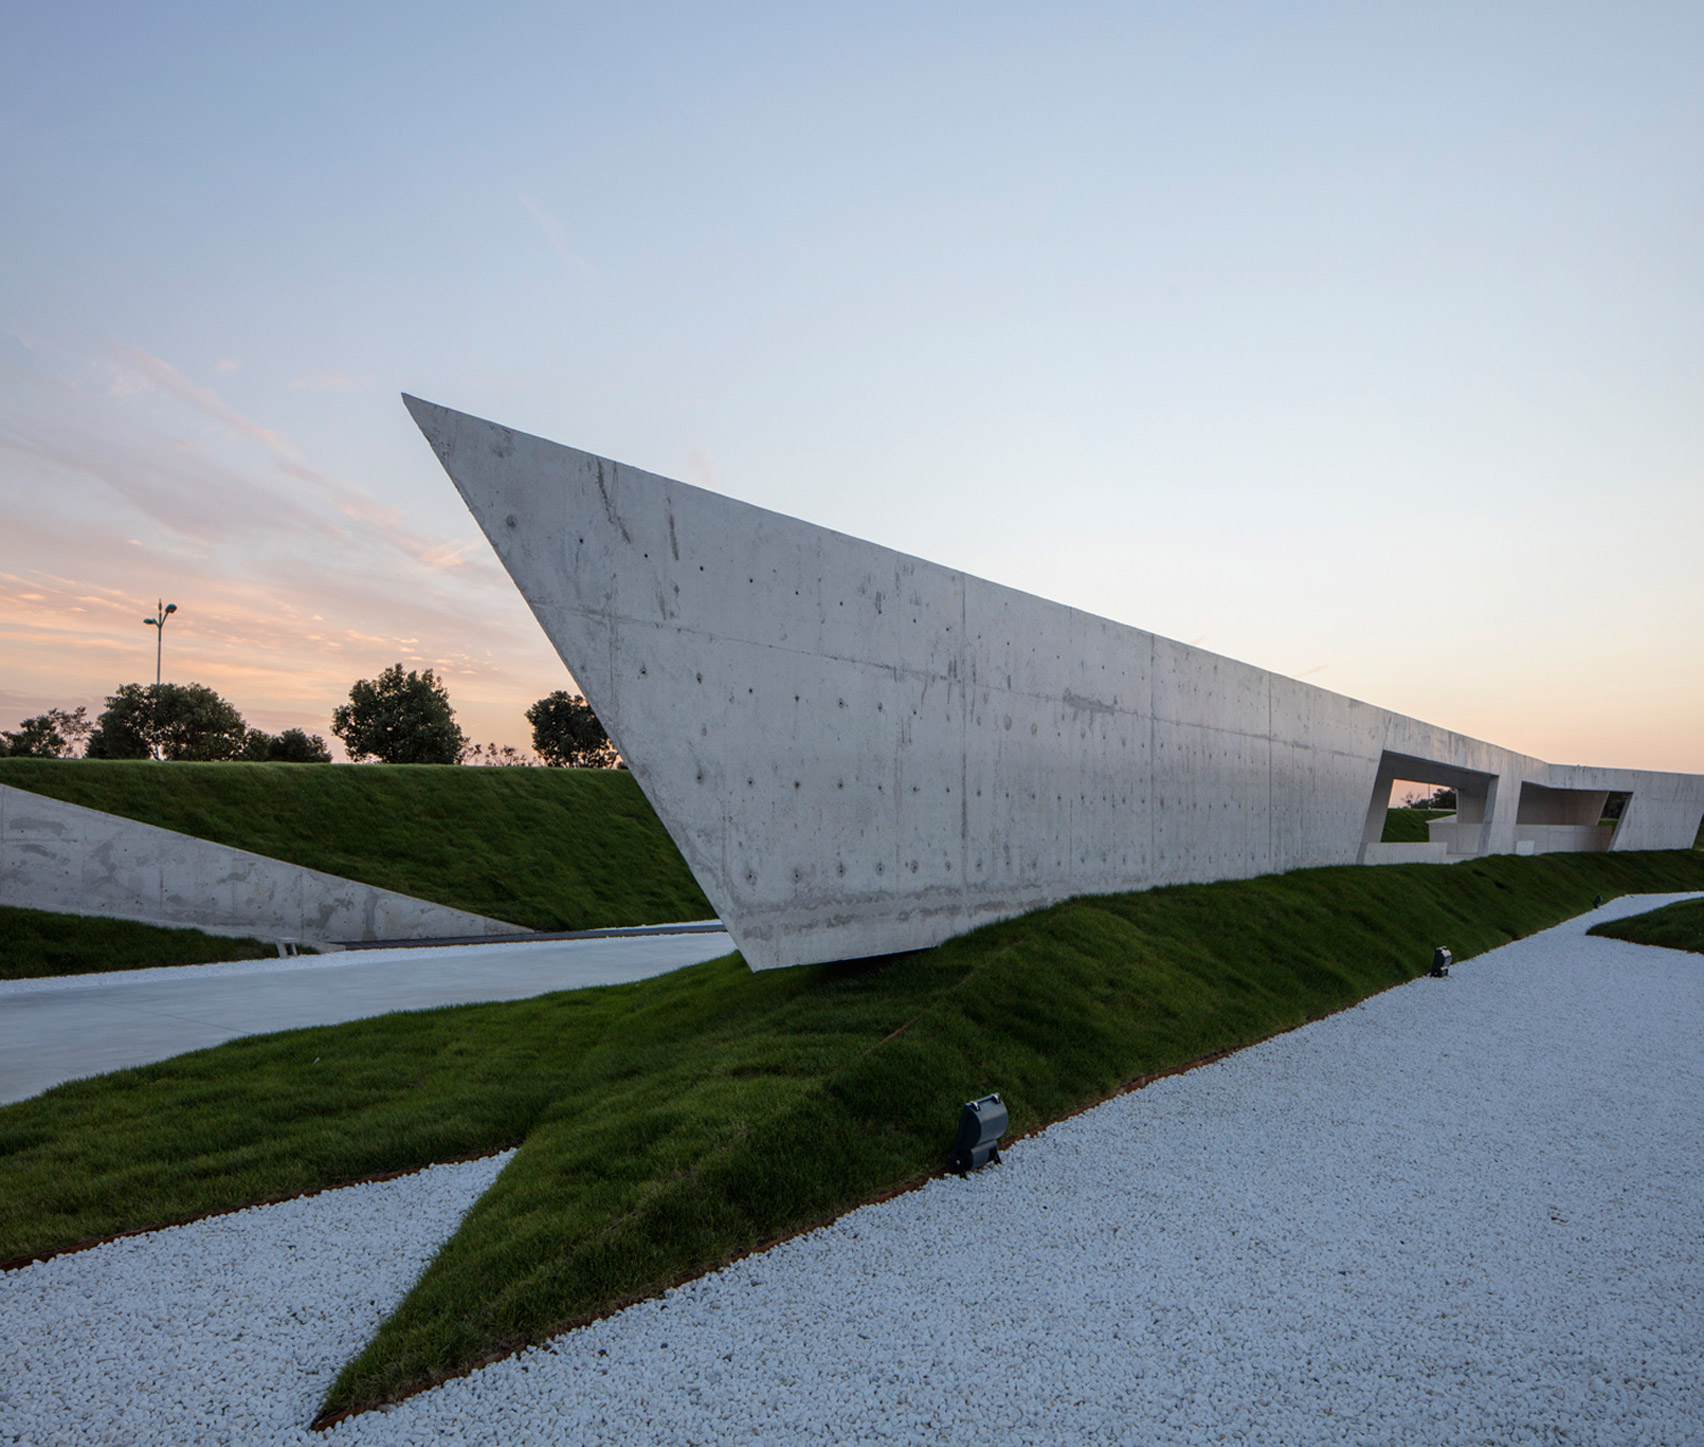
x=290 y=583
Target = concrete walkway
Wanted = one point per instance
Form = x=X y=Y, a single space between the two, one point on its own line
x=62 y=1029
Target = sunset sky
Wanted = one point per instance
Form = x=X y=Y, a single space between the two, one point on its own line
x=1361 y=342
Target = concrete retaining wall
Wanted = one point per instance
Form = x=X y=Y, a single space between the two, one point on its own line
x=63 y=857
x=861 y=752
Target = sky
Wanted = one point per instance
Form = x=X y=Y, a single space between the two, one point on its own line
x=1361 y=342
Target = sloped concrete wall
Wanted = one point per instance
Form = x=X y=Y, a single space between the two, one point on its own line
x=861 y=752
x=63 y=857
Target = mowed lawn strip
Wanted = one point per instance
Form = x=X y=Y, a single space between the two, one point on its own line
x=1408 y=826
x=35 y=943
x=668 y=1125
x=540 y=848
x=1673 y=927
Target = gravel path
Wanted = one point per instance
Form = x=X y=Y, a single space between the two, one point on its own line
x=1465 y=1212
x=228 y=1330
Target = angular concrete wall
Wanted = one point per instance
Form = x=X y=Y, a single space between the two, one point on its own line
x=861 y=752
x=63 y=857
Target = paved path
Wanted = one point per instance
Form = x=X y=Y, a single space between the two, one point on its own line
x=61 y=1029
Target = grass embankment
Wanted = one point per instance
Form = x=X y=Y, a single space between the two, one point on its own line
x=541 y=848
x=35 y=943
x=1408 y=826
x=1673 y=927
x=668 y=1125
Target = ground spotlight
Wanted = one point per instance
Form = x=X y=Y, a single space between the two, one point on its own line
x=1442 y=959
x=981 y=1124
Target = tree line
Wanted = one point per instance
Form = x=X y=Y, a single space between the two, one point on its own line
x=400 y=717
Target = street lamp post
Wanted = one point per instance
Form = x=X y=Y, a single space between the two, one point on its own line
x=162 y=611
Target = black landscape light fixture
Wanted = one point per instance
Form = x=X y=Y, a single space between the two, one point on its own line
x=1598 y=902
x=162 y=611
x=981 y=1124
x=1442 y=959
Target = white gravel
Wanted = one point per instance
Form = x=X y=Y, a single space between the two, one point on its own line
x=1467 y=1211
x=228 y=1330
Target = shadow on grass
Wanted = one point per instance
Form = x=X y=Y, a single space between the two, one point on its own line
x=37 y=943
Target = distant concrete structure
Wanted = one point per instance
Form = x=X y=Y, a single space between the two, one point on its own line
x=63 y=857
x=860 y=752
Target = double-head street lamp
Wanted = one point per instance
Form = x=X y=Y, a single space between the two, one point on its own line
x=162 y=611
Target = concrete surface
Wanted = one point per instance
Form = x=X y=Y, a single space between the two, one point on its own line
x=82 y=861
x=860 y=752
x=62 y=1029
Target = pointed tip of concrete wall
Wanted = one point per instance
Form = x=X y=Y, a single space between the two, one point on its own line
x=432 y=419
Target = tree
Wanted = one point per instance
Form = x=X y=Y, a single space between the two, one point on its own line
x=121 y=732
x=293 y=746
x=52 y=735
x=567 y=734
x=298 y=746
x=505 y=756
x=399 y=718
x=178 y=721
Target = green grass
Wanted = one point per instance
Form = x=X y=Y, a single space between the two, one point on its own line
x=1408 y=826
x=1673 y=927
x=35 y=943
x=668 y=1125
x=541 y=848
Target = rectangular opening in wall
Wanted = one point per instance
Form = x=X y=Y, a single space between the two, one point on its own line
x=1425 y=810
x=1413 y=805
x=1566 y=821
